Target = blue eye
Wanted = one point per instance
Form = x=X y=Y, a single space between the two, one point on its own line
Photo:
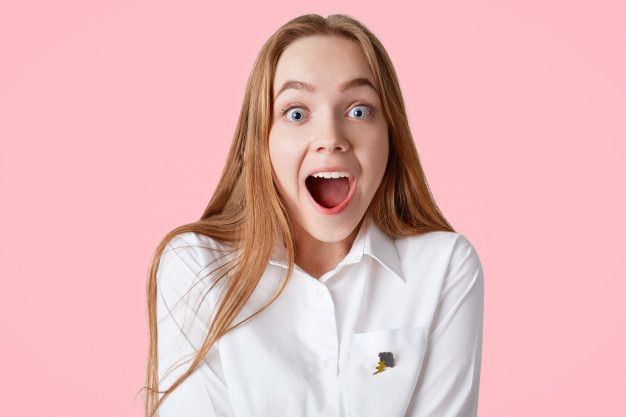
x=288 y=110
x=359 y=107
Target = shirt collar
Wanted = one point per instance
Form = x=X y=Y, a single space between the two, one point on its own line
x=370 y=240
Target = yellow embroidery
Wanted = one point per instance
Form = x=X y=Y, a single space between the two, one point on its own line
x=380 y=367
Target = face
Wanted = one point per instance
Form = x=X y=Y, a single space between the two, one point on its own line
x=325 y=122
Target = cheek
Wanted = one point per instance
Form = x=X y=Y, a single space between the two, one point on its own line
x=382 y=151
x=376 y=153
x=285 y=156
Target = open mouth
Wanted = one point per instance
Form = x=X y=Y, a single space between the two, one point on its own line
x=328 y=192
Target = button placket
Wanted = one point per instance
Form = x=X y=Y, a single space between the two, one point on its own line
x=320 y=301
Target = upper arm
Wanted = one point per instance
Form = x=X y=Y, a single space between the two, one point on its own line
x=449 y=379
x=183 y=318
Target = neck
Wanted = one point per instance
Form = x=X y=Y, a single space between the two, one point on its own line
x=317 y=257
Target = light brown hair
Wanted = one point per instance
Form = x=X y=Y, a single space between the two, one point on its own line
x=247 y=205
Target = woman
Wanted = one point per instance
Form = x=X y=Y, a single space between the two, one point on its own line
x=322 y=279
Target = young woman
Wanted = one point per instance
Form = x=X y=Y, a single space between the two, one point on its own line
x=322 y=279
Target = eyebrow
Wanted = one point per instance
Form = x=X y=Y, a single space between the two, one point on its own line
x=300 y=85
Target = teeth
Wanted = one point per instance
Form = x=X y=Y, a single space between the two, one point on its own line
x=334 y=174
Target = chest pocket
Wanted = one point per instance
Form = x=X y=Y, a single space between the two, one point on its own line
x=386 y=393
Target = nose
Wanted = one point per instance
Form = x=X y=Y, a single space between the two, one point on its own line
x=330 y=137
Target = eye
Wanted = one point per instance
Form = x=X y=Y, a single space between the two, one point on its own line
x=358 y=110
x=297 y=113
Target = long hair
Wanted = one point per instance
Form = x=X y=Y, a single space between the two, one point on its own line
x=246 y=203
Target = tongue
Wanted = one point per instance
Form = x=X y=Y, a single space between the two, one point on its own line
x=328 y=192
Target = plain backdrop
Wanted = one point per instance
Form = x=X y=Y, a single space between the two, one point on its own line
x=115 y=120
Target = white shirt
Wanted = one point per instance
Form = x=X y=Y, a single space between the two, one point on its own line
x=314 y=351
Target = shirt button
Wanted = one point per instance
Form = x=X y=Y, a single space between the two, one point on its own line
x=324 y=363
x=320 y=292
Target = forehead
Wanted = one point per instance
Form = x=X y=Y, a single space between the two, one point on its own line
x=324 y=61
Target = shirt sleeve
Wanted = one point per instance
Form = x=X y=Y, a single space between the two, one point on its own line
x=183 y=315
x=449 y=379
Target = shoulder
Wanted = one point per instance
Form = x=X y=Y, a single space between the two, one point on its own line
x=441 y=242
x=191 y=253
x=442 y=251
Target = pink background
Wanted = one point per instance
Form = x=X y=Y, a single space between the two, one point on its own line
x=115 y=119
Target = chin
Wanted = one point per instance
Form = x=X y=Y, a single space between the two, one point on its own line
x=335 y=230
